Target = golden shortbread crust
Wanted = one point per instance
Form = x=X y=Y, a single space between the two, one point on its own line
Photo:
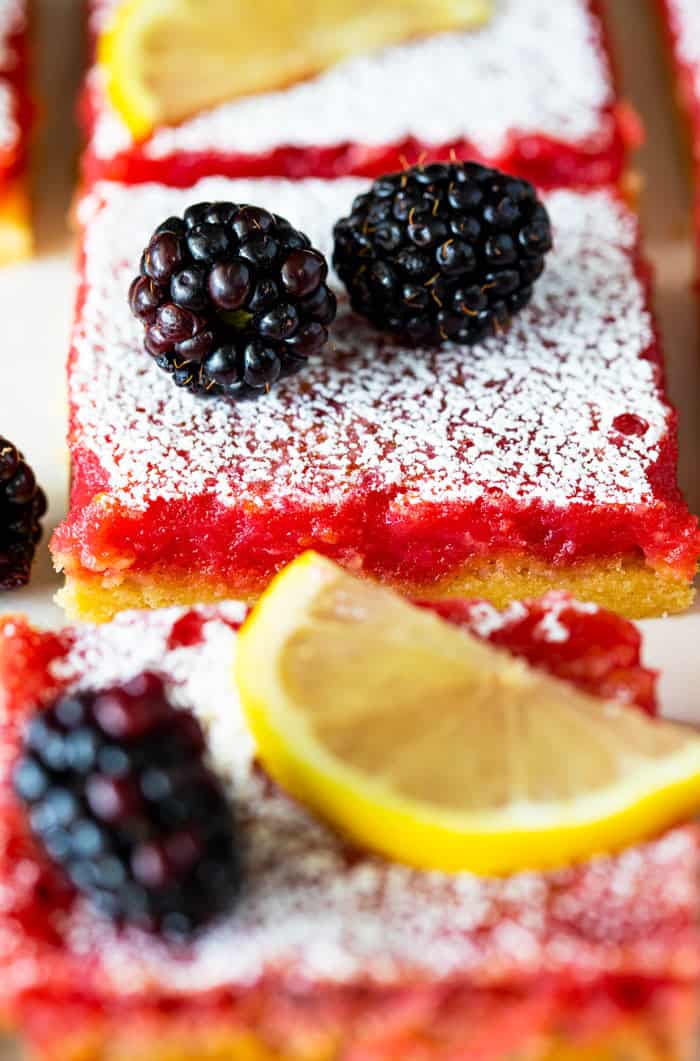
x=16 y=243
x=626 y=585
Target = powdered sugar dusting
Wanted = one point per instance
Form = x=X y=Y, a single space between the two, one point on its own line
x=550 y=627
x=535 y=68
x=309 y=912
x=13 y=19
x=527 y=415
x=685 y=22
x=99 y=14
x=684 y=18
x=13 y=16
x=486 y=619
x=9 y=127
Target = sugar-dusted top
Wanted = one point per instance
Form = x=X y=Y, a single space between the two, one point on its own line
x=536 y=68
x=9 y=125
x=13 y=15
x=684 y=21
x=310 y=910
x=13 y=19
x=529 y=415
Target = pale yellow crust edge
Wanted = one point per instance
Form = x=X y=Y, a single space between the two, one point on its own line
x=624 y=585
x=634 y=1040
x=16 y=237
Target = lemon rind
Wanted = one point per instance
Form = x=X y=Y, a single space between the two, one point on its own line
x=526 y=836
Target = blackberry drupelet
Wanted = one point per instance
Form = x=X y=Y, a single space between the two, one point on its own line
x=443 y=252
x=232 y=298
x=119 y=794
x=22 y=504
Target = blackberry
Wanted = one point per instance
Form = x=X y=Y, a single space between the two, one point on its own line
x=232 y=298
x=119 y=794
x=443 y=252
x=22 y=504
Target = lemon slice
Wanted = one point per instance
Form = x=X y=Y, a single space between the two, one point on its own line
x=420 y=742
x=167 y=59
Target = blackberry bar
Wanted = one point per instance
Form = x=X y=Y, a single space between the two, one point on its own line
x=324 y=951
x=543 y=457
x=532 y=92
x=681 y=26
x=15 y=123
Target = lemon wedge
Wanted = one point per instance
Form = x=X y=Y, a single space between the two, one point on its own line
x=420 y=742
x=167 y=59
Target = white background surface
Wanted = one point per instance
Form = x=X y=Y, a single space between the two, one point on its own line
x=36 y=304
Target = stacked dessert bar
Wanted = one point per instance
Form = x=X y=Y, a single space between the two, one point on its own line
x=330 y=952
x=15 y=120
x=681 y=24
x=542 y=457
x=531 y=93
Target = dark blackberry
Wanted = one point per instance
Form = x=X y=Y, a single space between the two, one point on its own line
x=443 y=252
x=119 y=794
x=22 y=504
x=232 y=298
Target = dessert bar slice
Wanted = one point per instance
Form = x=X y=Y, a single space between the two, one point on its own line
x=331 y=952
x=15 y=122
x=531 y=92
x=544 y=457
x=681 y=24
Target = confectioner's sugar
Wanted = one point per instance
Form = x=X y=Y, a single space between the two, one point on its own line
x=685 y=22
x=485 y=619
x=12 y=20
x=550 y=627
x=536 y=68
x=99 y=13
x=528 y=415
x=307 y=908
x=13 y=17
x=9 y=128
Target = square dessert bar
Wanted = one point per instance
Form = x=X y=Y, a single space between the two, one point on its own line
x=331 y=953
x=681 y=24
x=542 y=458
x=531 y=93
x=15 y=123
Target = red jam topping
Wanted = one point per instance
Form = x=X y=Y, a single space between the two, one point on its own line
x=630 y=424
